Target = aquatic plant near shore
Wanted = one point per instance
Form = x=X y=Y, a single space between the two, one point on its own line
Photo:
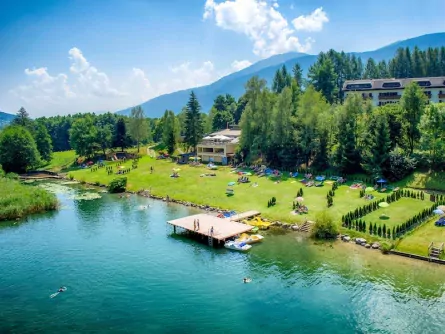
x=18 y=200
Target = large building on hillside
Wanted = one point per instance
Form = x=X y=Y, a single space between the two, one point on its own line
x=384 y=91
x=219 y=146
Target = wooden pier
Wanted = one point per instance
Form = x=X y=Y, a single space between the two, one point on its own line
x=223 y=229
x=244 y=215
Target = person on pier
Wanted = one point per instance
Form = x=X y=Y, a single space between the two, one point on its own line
x=197 y=224
x=194 y=224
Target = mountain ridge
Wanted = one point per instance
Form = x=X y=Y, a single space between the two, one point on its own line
x=5 y=118
x=234 y=83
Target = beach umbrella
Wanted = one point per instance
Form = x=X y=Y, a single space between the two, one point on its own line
x=121 y=167
x=381 y=181
x=441 y=207
x=438 y=212
x=231 y=183
x=300 y=199
x=383 y=204
x=369 y=189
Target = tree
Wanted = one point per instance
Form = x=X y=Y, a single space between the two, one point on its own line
x=43 y=142
x=83 y=136
x=432 y=128
x=22 y=119
x=170 y=133
x=104 y=136
x=412 y=103
x=323 y=77
x=311 y=105
x=297 y=74
x=193 y=122
x=121 y=137
x=325 y=227
x=138 y=125
x=18 y=150
x=282 y=138
x=371 y=70
x=383 y=69
x=375 y=155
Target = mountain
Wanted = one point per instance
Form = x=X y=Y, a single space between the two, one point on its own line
x=234 y=83
x=5 y=118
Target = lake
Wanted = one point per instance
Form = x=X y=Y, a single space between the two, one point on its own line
x=126 y=273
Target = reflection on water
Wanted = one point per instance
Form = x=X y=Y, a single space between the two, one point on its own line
x=126 y=272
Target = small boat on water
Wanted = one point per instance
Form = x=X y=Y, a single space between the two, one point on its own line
x=238 y=246
x=249 y=239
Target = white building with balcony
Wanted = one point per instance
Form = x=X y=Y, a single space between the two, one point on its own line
x=219 y=146
x=384 y=91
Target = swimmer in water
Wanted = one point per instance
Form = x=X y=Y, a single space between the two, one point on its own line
x=61 y=289
x=246 y=280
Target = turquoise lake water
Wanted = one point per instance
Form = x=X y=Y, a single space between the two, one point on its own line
x=126 y=273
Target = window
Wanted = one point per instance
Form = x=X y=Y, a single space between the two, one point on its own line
x=391 y=85
x=359 y=86
x=424 y=83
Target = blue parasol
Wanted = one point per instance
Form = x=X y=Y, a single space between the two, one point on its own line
x=381 y=181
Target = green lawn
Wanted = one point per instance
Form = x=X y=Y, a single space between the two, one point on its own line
x=398 y=212
x=425 y=180
x=418 y=240
x=60 y=160
x=211 y=190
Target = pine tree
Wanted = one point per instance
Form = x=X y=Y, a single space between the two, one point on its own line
x=379 y=231
x=370 y=228
x=193 y=122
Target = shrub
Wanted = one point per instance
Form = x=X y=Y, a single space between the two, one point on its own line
x=71 y=176
x=118 y=185
x=2 y=172
x=324 y=227
x=400 y=165
x=12 y=176
x=385 y=247
x=97 y=183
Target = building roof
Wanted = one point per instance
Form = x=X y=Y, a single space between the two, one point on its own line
x=227 y=133
x=391 y=84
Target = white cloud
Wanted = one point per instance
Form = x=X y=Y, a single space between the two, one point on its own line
x=260 y=21
x=311 y=22
x=187 y=76
x=238 y=65
x=85 y=88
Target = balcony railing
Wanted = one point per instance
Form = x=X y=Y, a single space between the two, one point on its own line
x=389 y=97
x=442 y=96
x=213 y=143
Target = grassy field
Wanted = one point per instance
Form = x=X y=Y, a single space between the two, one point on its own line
x=425 y=180
x=193 y=187
x=60 y=161
x=398 y=212
x=418 y=240
x=18 y=200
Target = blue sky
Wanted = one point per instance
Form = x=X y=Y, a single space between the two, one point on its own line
x=67 y=56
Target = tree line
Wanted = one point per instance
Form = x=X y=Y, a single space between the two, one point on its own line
x=28 y=143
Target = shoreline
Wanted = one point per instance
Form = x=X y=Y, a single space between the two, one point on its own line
x=275 y=224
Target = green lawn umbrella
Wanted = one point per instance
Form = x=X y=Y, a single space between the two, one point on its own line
x=369 y=189
x=383 y=204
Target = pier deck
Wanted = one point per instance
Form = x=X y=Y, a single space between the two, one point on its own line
x=222 y=228
x=244 y=215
